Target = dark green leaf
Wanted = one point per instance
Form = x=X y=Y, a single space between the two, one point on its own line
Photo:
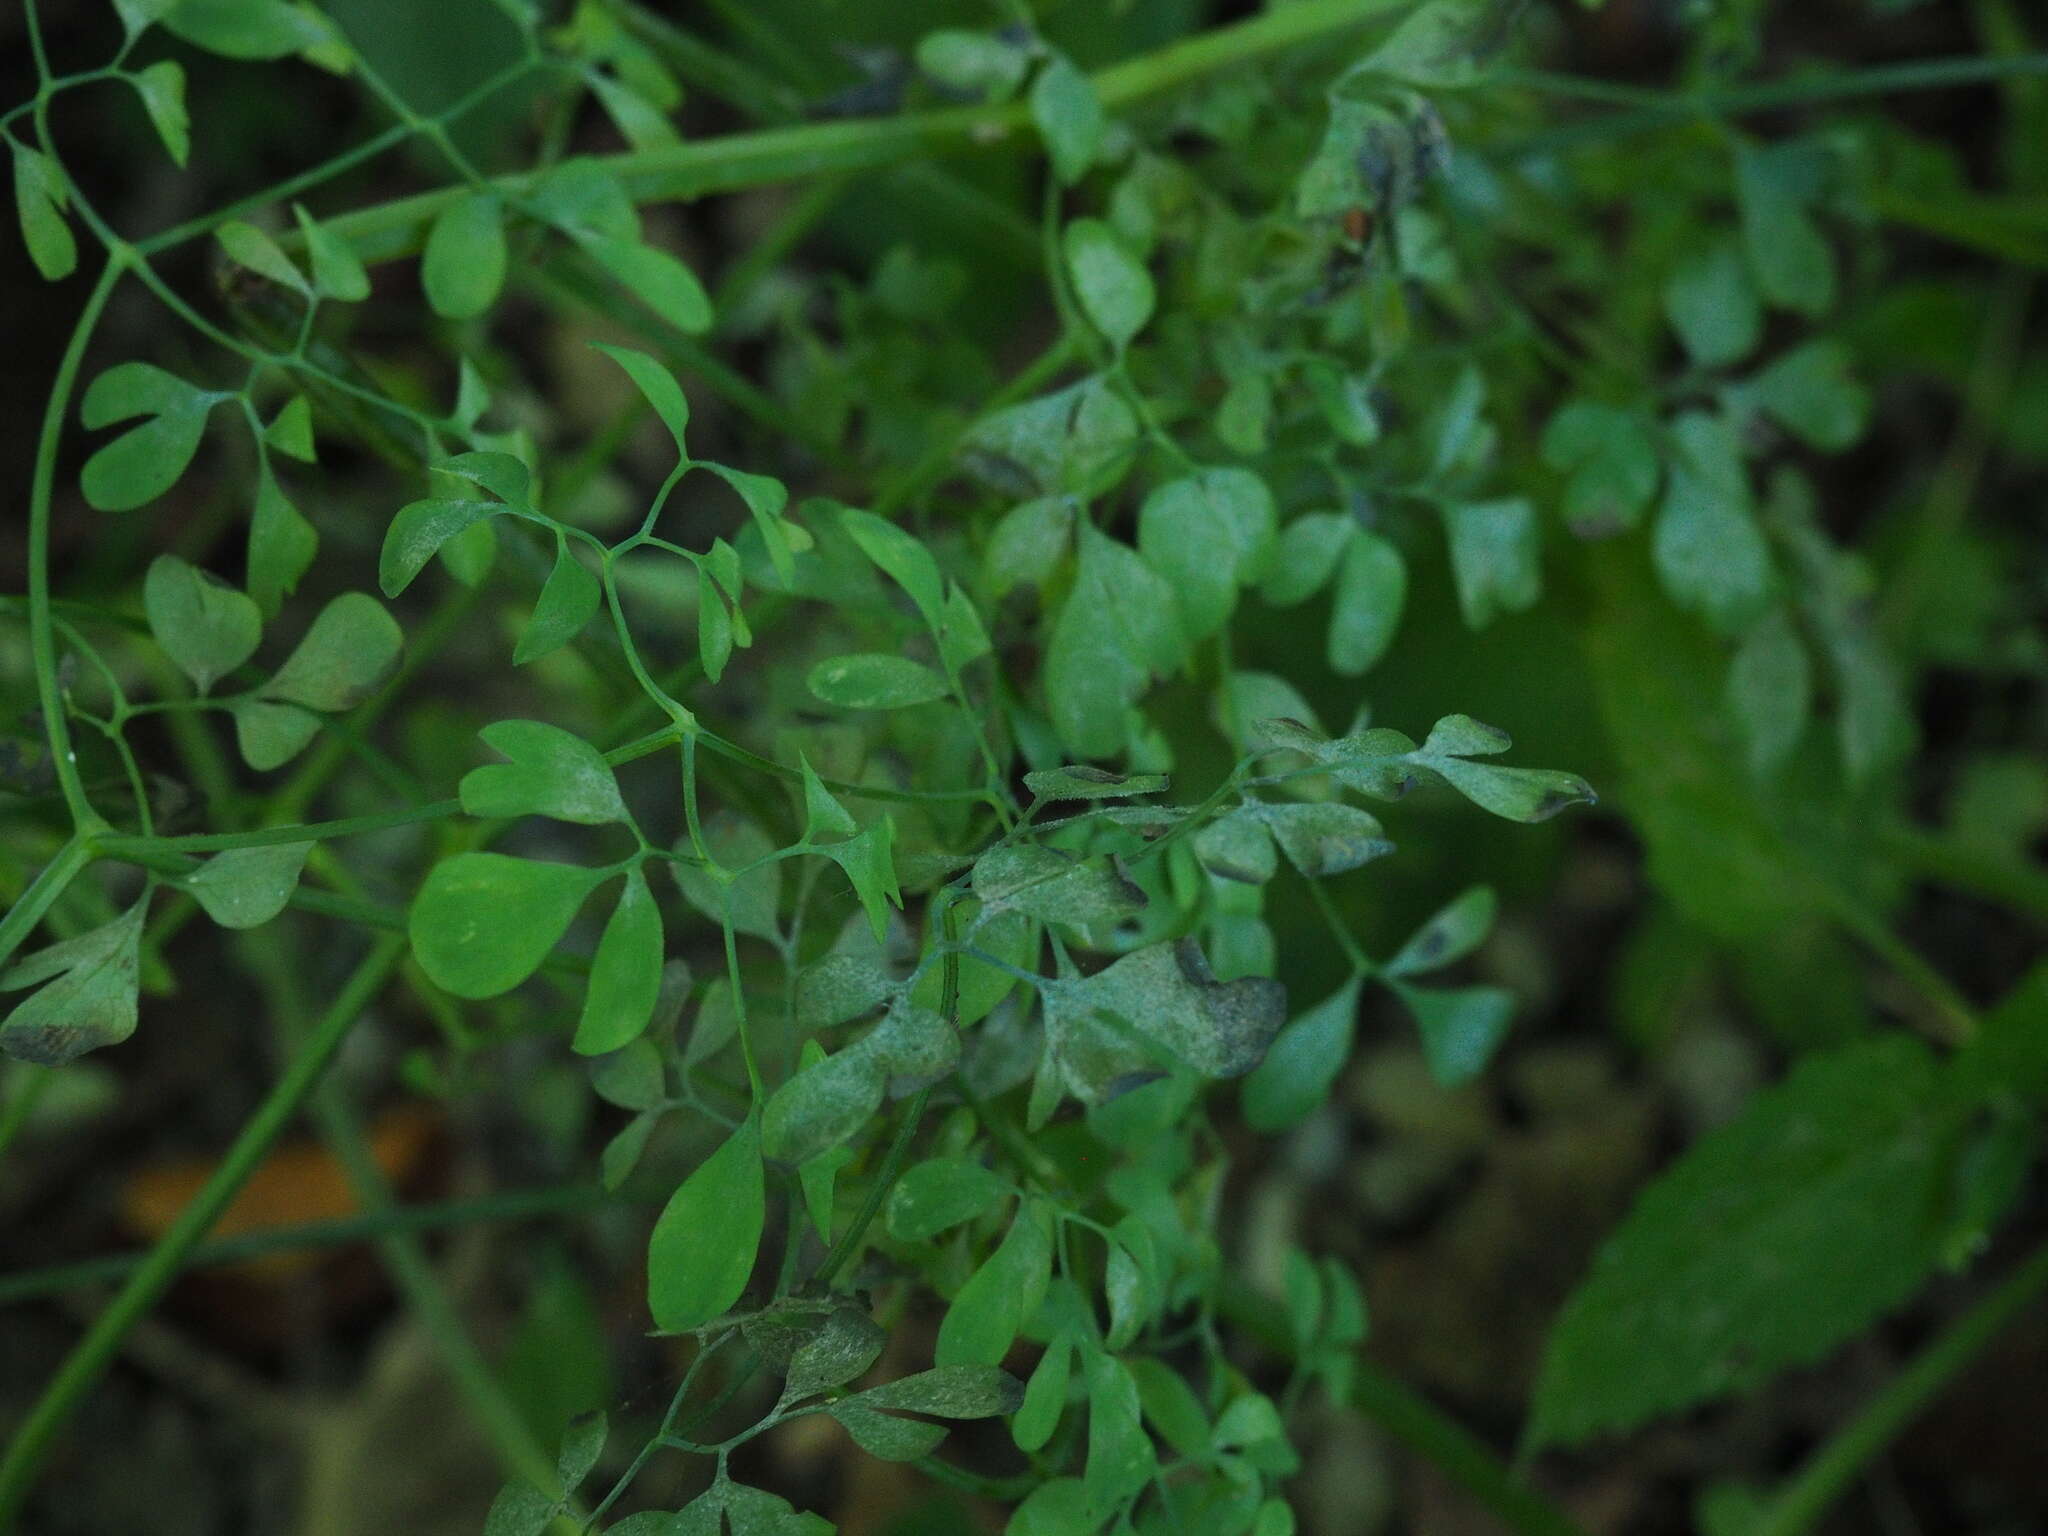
x=1791 y=259
x=162 y=89
x=875 y=681
x=660 y=388
x=1710 y=553
x=1303 y=1063
x=1069 y=117
x=1206 y=533
x=246 y=887
x=552 y=772
x=950 y=1391
x=88 y=996
x=484 y=922
x=270 y=735
x=281 y=544
x=1304 y=557
x=702 y=1251
x=1113 y=286
x=40 y=194
x=1811 y=393
x=937 y=1195
x=885 y=1435
x=1713 y=306
x=1120 y=1455
x=1045 y=1397
x=1494 y=547
x=1085 y=783
x=1610 y=459
x=1448 y=937
x=1461 y=1027
x=247 y=246
x=821 y=1106
x=1372 y=588
x=1773 y=1240
x=655 y=278
x=418 y=532
x=145 y=461
x=291 y=430
x=568 y=600
x=337 y=270
x=351 y=648
x=625 y=973
x=248 y=29
x=204 y=625
x=981 y=1324
x=631 y=1077
x=1116 y=631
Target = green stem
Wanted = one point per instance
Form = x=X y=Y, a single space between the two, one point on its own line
x=1955 y=863
x=518 y=1452
x=1660 y=109
x=885 y=1180
x=735 y=161
x=512 y=1205
x=50 y=883
x=1414 y=1421
x=41 y=634
x=1807 y=1497
x=96 y=1350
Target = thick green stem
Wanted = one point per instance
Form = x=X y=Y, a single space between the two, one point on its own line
x=1807 y=1497
x=739 y=160
x=1411 y=1419
x=50 y=883
x=96 y=1350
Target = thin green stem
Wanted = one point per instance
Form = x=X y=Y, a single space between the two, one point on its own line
x=1851 y=1448
x=42 y=486
x=849 y=1241
x=510 y=1205
x=1661 y=109
x=90 y=1358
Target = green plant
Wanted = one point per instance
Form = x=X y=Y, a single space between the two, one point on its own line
x=848 y=841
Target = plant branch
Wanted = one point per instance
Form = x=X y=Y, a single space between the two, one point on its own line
x=735 y=161
x=91 y=1356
